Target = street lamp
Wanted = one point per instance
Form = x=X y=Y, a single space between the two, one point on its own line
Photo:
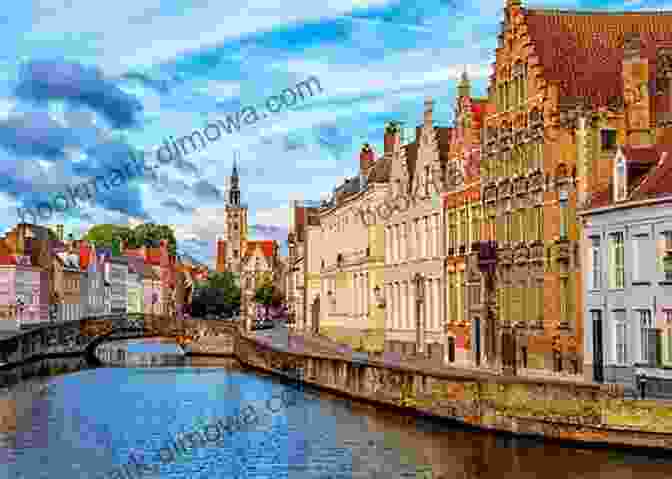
x=419 y=281
x=19 y=308
x=155 y=298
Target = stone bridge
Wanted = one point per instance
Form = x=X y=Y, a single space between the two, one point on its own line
x=82 y=337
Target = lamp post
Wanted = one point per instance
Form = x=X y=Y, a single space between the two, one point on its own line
x=19 y=309
x=419 y=281
x=155 y=298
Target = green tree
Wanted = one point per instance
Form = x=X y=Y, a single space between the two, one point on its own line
x=150 y=234
x=105 y=234
x=226 y=282
x=264 y=293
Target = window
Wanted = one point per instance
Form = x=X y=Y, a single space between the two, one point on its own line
x=452 y=231
x=427 y=180
x=665 y=254
x=507 y=227
x=644 y=326
x=539 y=222
x=464 y=228
x=620 y=183
x=476 y=224
x=608 y=139
x=668 y=326
x=616 y=267
x=596 y=269
x=621 y=327
x=564 y=215
x=235 y=253
x=235 y=226
x=639 y=243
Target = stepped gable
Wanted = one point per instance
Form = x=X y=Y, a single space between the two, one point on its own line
x=583 y=51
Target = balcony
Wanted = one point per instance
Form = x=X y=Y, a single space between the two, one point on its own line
x=560 y=250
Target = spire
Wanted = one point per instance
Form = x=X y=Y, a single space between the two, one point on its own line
x=464 y=87
x=234 y=192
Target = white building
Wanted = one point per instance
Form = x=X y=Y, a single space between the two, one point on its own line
x=627 y=246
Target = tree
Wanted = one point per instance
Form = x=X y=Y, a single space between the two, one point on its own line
x=148 y=234
x=105 y=234
x=264 y=293
x=220 y=294
x=277 y=298
x=151 y=234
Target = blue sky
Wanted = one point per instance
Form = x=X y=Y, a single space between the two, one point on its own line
x=82 y=82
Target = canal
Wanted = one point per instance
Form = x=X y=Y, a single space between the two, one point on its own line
x=129 y=423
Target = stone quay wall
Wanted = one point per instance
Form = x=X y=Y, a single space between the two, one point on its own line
x=583 y=412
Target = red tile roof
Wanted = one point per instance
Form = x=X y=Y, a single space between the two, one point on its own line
x=659 y=180
x=7 y=260
x=267 y=247
x=649 y=171
x=584 y=50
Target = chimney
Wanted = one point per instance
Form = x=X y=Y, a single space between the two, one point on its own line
x=366 y=159
x=392 y=138
x=636 y=92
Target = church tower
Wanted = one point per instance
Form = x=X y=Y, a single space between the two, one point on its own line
x=232 y=247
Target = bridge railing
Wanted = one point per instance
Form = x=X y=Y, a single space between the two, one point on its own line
x=73 y=337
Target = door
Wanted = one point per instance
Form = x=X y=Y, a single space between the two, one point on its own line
x=509 y=352
x=598 y=348
x=316 y=315
x=477 y=340
x=451 y=349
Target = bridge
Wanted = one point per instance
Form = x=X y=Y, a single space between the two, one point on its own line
x=82 y=337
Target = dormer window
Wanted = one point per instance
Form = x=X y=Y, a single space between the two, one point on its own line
x=620 y=179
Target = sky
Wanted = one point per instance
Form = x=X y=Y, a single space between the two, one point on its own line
x=84 y=85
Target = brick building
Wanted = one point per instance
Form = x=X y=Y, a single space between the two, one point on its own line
x=567 y=89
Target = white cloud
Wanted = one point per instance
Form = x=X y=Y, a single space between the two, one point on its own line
x=273 y=216
x=124 y=26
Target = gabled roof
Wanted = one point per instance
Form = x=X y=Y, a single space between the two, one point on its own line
x=584 y=50
x=267 y=247
x=649 y=173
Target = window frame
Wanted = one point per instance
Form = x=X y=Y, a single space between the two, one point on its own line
x=616 y=253
x=645 y=323
x=620 y=323
x=596 y=262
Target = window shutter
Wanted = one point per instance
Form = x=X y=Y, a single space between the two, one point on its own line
x=660 y=253
x=590 y=270
x=652 y=359
x=612 y=263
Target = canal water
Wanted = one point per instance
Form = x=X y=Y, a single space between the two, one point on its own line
x=136 y=423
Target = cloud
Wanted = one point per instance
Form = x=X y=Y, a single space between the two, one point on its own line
x=57 y=79
x=175 y=205
x=207 y=191
x=35 y=133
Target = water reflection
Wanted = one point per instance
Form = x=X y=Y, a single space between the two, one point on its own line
x=88 y=424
